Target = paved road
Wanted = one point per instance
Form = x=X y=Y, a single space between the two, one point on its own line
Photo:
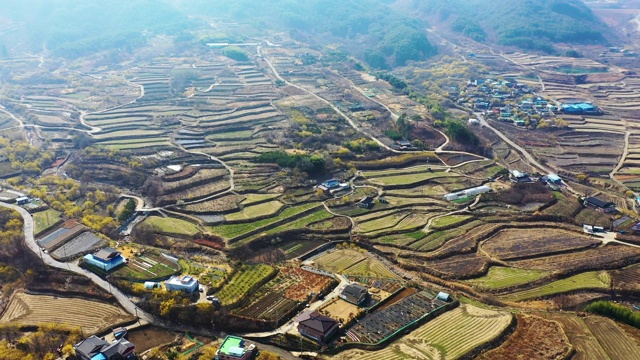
x=123 y=299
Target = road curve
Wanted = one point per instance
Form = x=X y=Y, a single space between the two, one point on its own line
x=30 y=241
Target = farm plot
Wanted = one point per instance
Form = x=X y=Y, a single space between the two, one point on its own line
x=588 y=280
x=379 y=324
x=260 y=210
x=585 y=344
x=338 y=260
x=436 y=239
x=513 y=244
x=271 y=307
x=449 y=336
x=614 y=340
x=332 y=224
x=147 y=266
x=298 y=248
x=44 y=220
x=214 y=206
x=67 y=231
x=31 y=310
x=195 y=192
x=246 y=280
x=534 y=338
x=380 y=223
x=627 y=278
x=340 y=310
x=370 y=267
x=82 y=244
x=500 y=277
x=449 y=220
x=172 y=226
x=402 y=180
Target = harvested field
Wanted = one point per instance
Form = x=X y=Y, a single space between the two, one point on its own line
x=615 y=341
x=588 y=280
x=586 y=346
x=449 y=336
x=149 y=337
x=513 y=244
x=92 y=316
x=500 y=277
x=627 y=278
x=534 y=338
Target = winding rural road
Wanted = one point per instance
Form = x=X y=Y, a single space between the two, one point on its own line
x=30 y=242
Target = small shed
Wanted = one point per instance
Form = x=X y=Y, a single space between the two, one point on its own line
x=366 y=203
x=22 y=200
x=443 y=296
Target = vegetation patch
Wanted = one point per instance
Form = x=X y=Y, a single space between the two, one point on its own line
x=44 y=220
x=500 y=277
x=588 y=280
x=173 y=226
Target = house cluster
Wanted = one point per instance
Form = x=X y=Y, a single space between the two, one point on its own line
x=333 y=187
x=95 y=348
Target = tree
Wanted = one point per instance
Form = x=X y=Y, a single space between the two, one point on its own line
x=166 y=306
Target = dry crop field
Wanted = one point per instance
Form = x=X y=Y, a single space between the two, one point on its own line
x=25 y=309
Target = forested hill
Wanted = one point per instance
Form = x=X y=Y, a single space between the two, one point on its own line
x=74 y=28
x=369 y=29
x=527 y=24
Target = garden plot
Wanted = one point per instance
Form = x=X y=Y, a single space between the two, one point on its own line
x=340 y=310
x=381 y=323
x=244 y=281
x=44 y=220
x=513 y=244
x=63 y=234
x=271 y=307
x=149 y=265
x=91 y=316
x=80 y=245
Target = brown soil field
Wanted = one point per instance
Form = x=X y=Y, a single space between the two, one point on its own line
x=606 y=256
x=585 y=345
x=612 y=338
x=150 y=337
x=534 y=338
x=304 y=282
x=517 y=243
x=25 y=309
x=626 y=279
x=340 y=310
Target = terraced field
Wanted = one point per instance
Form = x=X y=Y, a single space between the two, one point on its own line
x=588 y=280
x=246 y=280
x=449 y=336
x=500 y=277
x=516 y=243
x=173 y=226
x=31 y=310
x=339 y=260
x=264 y=209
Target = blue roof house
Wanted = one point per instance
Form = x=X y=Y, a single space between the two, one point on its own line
x=105 y=259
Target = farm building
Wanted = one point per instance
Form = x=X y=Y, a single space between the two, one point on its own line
x=22 y=200
x=404 y=144
x=234 y=348
x=467 y=193
x=591 y=229
x=329 y=185
x=318 y=327
x=580 y=108
x=366 y=202
x=151 y=285
x=105 y=259
x=95 y=348
x=354 y=293
x=519 y=177
x=599 y=204
x=182 y=283
x=443 y=296
x=341 y=187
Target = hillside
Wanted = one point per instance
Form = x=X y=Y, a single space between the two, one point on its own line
x=527 y=24
x=369 y=29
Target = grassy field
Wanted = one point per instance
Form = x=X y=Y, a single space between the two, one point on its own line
x=173 y=226
x=246 y=280
x=587 y=280
x=449 y=220
x=255 y=198
x=25 y=309
x=43 y=220
x=233 y=230
x=263 y=209
x=338 y=260
x=410 y=178
x=370 y=268
x=448 y=336
x=500 y=277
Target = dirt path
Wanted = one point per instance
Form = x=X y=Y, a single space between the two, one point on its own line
x=623 y=157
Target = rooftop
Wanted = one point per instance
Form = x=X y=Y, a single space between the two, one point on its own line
x=232 y=345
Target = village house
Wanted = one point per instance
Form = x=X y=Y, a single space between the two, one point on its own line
x=234 y=348
x=354 y=293
x=599 y=204
x=329 y=185
x=318 y=327
x=366 y=203
x=105 y=259
x=182 y=283
x=95 y=348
